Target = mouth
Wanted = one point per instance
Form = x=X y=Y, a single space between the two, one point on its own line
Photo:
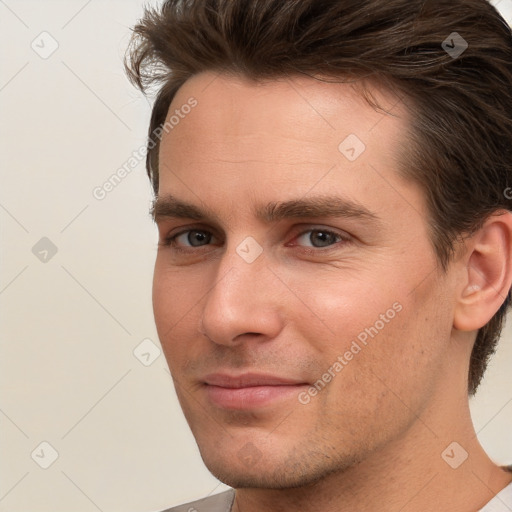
x=250 y=390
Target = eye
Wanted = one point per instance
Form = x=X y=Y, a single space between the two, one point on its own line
x=192 y=239
x=189 y=238
x=319 y=238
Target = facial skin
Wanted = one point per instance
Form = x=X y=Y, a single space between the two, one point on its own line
x=383 y=419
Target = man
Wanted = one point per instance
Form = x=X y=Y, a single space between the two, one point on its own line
x=335 y=254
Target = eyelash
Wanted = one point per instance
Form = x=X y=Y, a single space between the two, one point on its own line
x=170 y=241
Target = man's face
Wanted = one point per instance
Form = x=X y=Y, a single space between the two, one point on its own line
x=299 y=344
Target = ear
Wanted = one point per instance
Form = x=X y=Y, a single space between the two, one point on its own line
x=488 y=273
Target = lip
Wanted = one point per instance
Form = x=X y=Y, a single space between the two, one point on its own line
x=250 y=390
x=246 y=380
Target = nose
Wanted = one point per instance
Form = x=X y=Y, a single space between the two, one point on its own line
x=245 y=302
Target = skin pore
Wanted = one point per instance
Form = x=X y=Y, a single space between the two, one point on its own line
x=298 y=295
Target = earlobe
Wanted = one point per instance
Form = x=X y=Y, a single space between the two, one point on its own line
x=488 y=273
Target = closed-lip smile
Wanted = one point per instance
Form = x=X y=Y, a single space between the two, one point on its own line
x=249 y=390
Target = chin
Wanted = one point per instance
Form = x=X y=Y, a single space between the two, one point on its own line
x=294 y=470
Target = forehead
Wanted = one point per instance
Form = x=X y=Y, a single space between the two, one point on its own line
x=279 y=139
x=312 y=110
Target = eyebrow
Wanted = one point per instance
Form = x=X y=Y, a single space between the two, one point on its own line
x=317 y=206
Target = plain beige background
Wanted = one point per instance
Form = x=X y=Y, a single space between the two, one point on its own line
x=75 y=280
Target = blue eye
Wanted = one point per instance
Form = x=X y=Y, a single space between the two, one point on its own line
x=194 y=237
x=191 y=239
x=324 y=237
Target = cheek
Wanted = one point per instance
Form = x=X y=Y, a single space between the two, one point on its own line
x=406 y=359
x=380 y=331
x=164 y=301
x=345 y=308
x=177 y=293
x=174 y=303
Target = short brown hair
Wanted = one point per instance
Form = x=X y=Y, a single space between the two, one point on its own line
x=459 y=144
